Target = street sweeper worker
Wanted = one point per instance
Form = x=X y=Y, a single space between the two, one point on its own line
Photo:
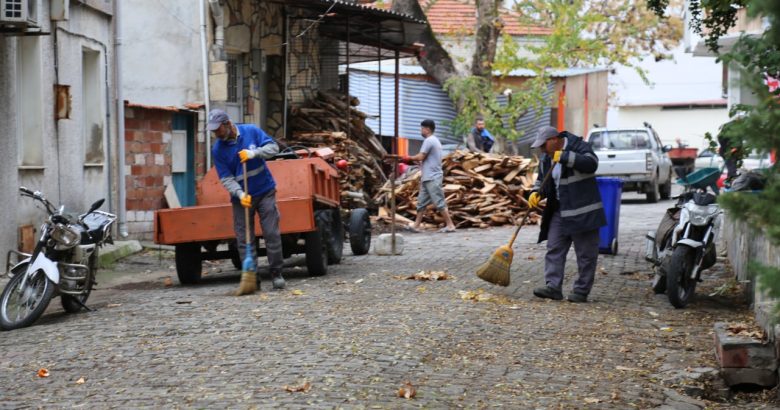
x=573 y=214
x=246 y=143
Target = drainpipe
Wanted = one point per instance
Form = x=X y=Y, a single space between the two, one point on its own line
x=120 y=121
x=205 y=56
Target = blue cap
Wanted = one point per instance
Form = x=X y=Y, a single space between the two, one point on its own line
x=217 y=117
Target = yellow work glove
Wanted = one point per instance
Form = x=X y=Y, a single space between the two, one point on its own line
x=557 y=156
x=533 y=199
x=246 y=200
x=246 y=155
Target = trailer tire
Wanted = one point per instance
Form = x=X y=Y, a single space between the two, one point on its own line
x=316 y=252
x=335 y=236
x=235 y=256
x=188 y=263
x=359 y=231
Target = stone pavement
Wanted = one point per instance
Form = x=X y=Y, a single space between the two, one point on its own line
x=359 y=333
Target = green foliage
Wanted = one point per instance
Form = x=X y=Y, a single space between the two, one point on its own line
x=757 y=125
x=583 y=34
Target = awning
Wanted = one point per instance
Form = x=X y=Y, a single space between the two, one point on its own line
x=361 y=24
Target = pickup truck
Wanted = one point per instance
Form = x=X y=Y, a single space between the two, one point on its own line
x=636 y=156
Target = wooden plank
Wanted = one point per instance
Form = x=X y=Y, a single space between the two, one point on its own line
x=487 y=188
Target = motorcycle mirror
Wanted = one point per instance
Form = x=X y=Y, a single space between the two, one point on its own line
x=96 y=205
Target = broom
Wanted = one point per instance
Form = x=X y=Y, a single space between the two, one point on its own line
x=248 y=275
x=496 y=269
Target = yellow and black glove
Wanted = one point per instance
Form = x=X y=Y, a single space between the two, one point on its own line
x=533 y=199
x=246 y=200
x=557 y=156
x=246 y=155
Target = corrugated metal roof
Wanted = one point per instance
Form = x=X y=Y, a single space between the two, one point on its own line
x=413 y=69
x=419 y=100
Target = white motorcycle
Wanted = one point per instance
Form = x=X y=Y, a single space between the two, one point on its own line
x=680 y=252
x=64 y=262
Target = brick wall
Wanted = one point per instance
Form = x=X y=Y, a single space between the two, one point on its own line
x=148 y=163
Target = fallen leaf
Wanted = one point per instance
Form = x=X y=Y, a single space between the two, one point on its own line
x=297 y=292
x=183 y=302
x=615 y=396
x=627 y=369
x=407 y=391
x=359 y=281
x=592 y=400
x=113 y=305
x=653 y=314
x=168 y=282
x=80 y=381
x=603 y=271
x=304 y=388
x=666 y=329
x=421 y=289
x=43 y=372
x=429 y=275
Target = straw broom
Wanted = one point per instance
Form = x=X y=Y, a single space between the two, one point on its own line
x=496 y=269
x=248 y=275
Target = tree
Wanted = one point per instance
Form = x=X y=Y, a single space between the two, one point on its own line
x=758 y=57
x=583 y=33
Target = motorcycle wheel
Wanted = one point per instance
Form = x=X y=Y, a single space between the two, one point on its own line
x=69 y=302
x=20 y=307
x=680 y=286
x=659 y=284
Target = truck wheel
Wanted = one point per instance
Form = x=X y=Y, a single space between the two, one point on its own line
x=316 y=252
x=188 y=263
x=359 y=231
x=335 y=239
x=652 y=194
x=666 y=189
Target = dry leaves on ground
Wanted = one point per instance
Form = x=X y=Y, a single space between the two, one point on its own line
x=168 y=282
x=407 y=391
x=480 y=295
x=304 y=388
x=80 y=381
x=43 y=372
x=297 y=292
x=743 y=329
x=425 y=275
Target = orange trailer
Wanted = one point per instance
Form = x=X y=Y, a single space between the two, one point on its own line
x=308 y=197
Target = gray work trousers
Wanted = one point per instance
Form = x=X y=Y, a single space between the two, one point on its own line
x=586 y=247
x=265 y=206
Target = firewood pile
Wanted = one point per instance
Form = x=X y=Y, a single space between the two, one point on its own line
x=481 y=190
x=322 y=122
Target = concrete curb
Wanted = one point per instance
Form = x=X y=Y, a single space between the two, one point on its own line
x=111 y=253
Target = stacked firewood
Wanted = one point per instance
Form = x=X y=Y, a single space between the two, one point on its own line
x=322 y=122
x=481 y=190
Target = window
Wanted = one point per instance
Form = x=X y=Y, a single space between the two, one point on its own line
x=621 y=140
x=235 y=88
x=92 y=107
x=233 y=80
x=30 y=99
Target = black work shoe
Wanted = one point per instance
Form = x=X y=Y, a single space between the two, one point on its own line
x=575 y=297
x=547 y=292
x=278 y=281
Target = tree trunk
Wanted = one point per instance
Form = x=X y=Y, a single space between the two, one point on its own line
x=434 y=59
x=488 y=29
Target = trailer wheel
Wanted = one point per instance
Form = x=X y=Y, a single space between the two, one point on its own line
x=336 y=238
x=359 y=231
x=317 y=251
x=188 y=262
x=235 y=257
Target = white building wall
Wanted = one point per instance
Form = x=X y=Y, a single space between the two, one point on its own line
x=688 y=125
x=161 y=60
x=63 y=176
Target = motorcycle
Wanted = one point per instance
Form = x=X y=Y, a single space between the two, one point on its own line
x=684 y=245
x=63 y=262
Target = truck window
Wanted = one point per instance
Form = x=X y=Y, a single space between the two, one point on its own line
x=627 y=140
x=596 y=140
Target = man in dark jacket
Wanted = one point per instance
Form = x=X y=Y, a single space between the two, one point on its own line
x=574 y=212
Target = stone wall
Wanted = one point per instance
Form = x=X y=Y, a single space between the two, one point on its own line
x=744 y=245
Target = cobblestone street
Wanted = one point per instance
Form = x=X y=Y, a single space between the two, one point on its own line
x=359 y=333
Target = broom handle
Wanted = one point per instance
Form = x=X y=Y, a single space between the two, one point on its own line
x=544 y=181
x=246 y=210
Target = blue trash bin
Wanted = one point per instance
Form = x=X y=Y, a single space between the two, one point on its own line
x=611 y=189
